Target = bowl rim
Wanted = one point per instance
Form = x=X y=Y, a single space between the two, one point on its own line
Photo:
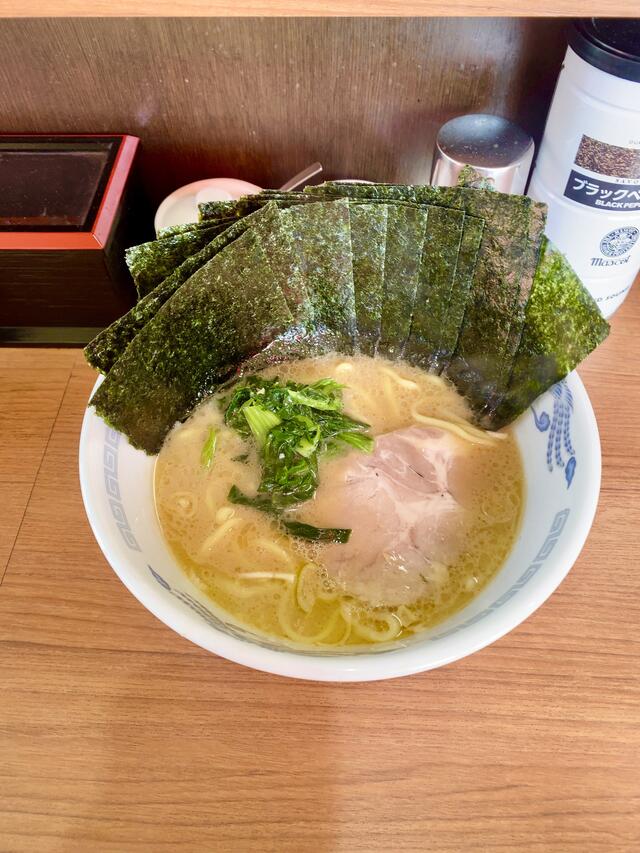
x=395 y=663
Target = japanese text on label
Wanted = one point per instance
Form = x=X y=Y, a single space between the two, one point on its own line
x=596 y=193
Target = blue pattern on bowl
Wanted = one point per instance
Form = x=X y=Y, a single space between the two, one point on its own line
x=110 y=464
x=559 y=427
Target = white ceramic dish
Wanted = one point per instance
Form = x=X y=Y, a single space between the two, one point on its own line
x=181 y=207
x=560 y=447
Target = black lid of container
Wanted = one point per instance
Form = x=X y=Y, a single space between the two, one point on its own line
x=610 y=44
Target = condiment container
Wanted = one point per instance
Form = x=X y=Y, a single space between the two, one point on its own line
x=497 y=149
x=588 y=167
x=68 y=209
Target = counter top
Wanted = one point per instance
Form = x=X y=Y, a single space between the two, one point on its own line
x=118 y=735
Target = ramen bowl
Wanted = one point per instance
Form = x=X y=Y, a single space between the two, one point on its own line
x=560 y=449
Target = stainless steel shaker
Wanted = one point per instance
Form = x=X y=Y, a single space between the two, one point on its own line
x=496 y=148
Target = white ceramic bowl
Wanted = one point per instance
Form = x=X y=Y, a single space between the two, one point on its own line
x=181 y=207
x=560 y=448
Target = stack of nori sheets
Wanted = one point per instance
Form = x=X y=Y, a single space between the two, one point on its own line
x=455 y=280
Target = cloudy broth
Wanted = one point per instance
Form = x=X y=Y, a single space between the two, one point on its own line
x=277 y=585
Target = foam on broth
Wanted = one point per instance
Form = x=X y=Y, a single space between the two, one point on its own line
x=274 y=584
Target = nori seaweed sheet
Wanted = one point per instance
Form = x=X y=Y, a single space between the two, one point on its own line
x=294 y=344
x=368 y=223
x=435 y=327
x=483 y=357
x=233 y=209
x=530 y=261
x=289 y=196
x=504 y=270
x=374 y=192
x=274 y=229
x=107 y=347
x=228 y=310
x=501 y=334
x=470 y=177
x=480 y=361
x=150 y=263
x=480 y=366
x=406 y=229
x=322 y=237
x=172 y=230
x=246 y=204
x=563 y=324
x=469 y=246
x=209 y=210
x=439 y=261
x=249 y=203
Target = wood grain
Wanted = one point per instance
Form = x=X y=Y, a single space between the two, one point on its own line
x=366 y=8
x=31 y=391
x=260 y=99
x=29 y=386
x=118 y=735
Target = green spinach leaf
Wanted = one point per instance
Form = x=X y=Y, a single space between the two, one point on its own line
x=293 y=425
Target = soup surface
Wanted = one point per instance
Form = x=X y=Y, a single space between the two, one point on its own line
x=433 y=512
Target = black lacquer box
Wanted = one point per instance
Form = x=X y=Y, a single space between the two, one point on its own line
x=68 y=209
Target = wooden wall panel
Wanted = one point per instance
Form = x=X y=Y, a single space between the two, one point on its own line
x=261 y=98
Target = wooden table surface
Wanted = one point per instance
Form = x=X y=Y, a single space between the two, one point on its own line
x=118 y=735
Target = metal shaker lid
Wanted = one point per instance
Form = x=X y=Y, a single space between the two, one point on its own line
x=610 y=44
x=494 y=146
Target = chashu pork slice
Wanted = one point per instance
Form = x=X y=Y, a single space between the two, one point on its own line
x=407 y=526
